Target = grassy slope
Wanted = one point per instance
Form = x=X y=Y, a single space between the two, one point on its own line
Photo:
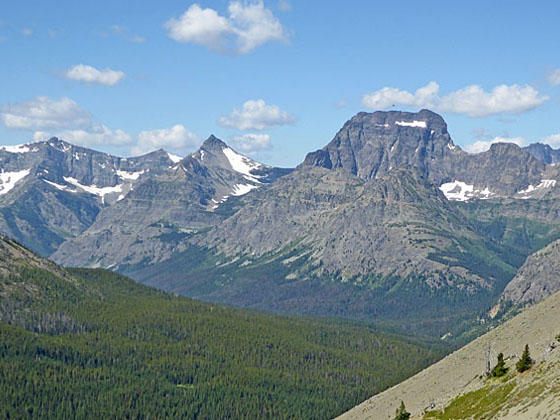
x=532 y=395
x=96 y=344
x=459 y=374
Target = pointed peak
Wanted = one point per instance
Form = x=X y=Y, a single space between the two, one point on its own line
x=213 y=143
x=59 y=144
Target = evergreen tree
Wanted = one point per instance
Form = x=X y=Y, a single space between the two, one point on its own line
x=402 y=414
x=500 y=369
x=525 y=362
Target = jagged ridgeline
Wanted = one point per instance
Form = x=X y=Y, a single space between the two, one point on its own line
x=89 y=343
x=390 y=222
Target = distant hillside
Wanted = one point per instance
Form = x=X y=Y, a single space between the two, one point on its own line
x=89 y=343
x=538 y=278
x=455 y=388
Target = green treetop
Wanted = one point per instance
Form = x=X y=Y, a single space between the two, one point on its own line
x=402 y=414
x=500 y=369
x=525 y=362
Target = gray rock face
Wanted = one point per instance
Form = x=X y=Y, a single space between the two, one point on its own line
x=538 y=278
x=544 y=153
x=377 y=197
x=370 y=145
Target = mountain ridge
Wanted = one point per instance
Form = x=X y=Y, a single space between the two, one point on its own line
x=388 y=213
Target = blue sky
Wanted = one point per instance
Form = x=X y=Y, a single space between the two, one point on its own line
x=276 y=79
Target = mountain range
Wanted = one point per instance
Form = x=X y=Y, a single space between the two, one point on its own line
x=390 y=222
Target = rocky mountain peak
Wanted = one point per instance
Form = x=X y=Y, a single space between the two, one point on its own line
x=544 y=153
x=371 y=144
x=212 y=144
x=504 y=148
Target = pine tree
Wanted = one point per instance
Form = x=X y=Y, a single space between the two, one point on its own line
x=500 y=369
x=402 y=414
x=525 y=362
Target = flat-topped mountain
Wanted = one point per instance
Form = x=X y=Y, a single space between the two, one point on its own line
x=370 y=145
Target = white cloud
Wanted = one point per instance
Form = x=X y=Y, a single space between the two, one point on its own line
x=175 y=139
x=62 y=118
x=284 y=6
x=96 y=135
x=552 y=140
x=256 y=115
x=27 y=31
x=43 y=113
x=483 y=146
x=251 y=143
x=199 y=26
x=248 y=26
x=89 y=74
x=554 y=77
x=472 y=100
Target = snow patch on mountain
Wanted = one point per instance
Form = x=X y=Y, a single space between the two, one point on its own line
x=60 y=187
x=93 y=189
x=174 y=158
x=10 y=179
x=18 y=148
x=418 y=124
x=133 y=176
x=461 y=191
x=545 y=183
x=242 y=164
x=242 y=189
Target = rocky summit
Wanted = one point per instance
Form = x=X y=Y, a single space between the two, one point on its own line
x=390 y=222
